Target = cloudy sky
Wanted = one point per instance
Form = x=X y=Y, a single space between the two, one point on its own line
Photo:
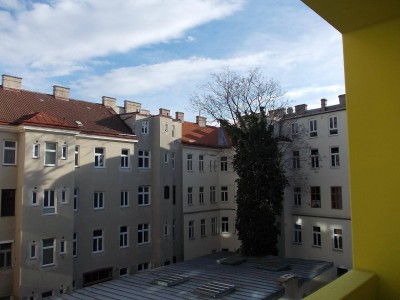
x=157 y=52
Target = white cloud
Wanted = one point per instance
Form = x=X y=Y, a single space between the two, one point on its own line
x=64 y=34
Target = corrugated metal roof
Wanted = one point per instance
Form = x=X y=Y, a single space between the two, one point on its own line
x=248 y=281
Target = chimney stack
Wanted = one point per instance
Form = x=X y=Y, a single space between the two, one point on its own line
x=164 y=112
x=11 y=82
x=109 y=102
x=201 y=121
x=300 y=109
x=60 y=92
x=131 y=106
x=323 y=104
x=342 y=100
x=179 y=116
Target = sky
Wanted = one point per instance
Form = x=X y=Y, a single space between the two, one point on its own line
x=159 y=52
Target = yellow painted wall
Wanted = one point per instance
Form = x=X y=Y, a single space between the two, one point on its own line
x=372 y=71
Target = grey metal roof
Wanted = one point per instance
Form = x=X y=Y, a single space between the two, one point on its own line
x=246 y=280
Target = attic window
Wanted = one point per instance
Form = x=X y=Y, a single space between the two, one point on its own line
x=79 y=123
x=170 y=280
x=215 y=289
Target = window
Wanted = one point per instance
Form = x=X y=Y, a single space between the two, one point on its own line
x=166 y=191
x=145 y=127
x=201 y=195
x=224 y=164
x=98 y=200
x=5 y=255
x=203 y=227
x=124 y=199
x=166 y=229
x=173 y=160
x=64 y=151
x=191 y=230
x=143 y=233
x=36 y=151
x=173 y=131
x=315 y=197
x=123 y=272
x=64 y=198
x=173 y=194
x=46 y=295
x=166 y=127
x=144 y=195
x=166 y=156
x=212 y=194
x=50 y=154
x=297 y=196
x=9 y=152
x=295 y=130
x=190 y=196
x=224 y=194
x=335 y=157
x=76 y=199
x=297 y=233
x=143 y=266
x=313 y=128
x=333 y=125
x=7 y=203
x=314 y=158
x=173 y=228
x=99 y=157
x=97 y=246
x=224 y=225
x=32 y=250
x=144 y=159
x=201 y=163
x=97 y=276
x=336 y=197
x=296 y=159
x=77 y=156
x=123 y=237
x=47 y=252
x=34 y=198
x=124 y=158
x=337 y=239
x=75 y=244
x=214 y=225
x=190 y=162
x=63 y=247
x=316 y=236
x=49 y=202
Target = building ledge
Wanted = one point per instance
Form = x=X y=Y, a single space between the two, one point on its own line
x=353 y=285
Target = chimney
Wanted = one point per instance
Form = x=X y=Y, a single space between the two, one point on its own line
x=300 y=109
x=201 y=121
x=323 y=104
x=11 y=82
x=109 y=102
x=131 y=106
x=342 y=100
x=179 y=116
x=60 y=92
x=164 y=112
x=289 y=110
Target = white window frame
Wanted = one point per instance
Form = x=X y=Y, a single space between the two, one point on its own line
x=190 y=195
x=166 y=157
x=214 y=225
x=50 y=152
x=49 y=204
x=145 y=127
x=294 y=130
x=34 y=198
x=338 y=239
x=189 y=161
x=165 y=127
x=123 y=272
x=76 y=156
x=191 y=230
x=144 y=161
x=336 y=197
x=314 y=158
x=143 y=266
x=201 y=163
x=173 y=131
x=36 y=150
x=144 y=195
x=98 y=241
x=315 y=197
x=7 y=255
x=75 y=244
x=33 y=250
x=76 y=199
x=335 y=157
x=313 y=127
x=123 y=236
x=224 y=194
x=333 y=125
x=98 y=200
x=224 y=225
x=12 y=150
x=201 y=195
x=63 y=247
x=64 y=151
x=124 y=199
x=99 y=157
x=48 y=248
x=144 y=234
x=317 y=236
x=213 y=194
x=203 y=227
x=296 y=159
x=224 y=164
x=297 y=238
x=297 y=196
x=63 y=196
x=124 y=159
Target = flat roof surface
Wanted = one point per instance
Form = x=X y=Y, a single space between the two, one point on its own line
x=205 y=278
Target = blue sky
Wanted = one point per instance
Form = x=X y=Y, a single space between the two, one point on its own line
x=157 y=52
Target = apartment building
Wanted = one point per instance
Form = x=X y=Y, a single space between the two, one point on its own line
x=317 y=222
x=208 y=190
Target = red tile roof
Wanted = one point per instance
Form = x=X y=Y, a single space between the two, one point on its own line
x=38 y=109
x=209 y=136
